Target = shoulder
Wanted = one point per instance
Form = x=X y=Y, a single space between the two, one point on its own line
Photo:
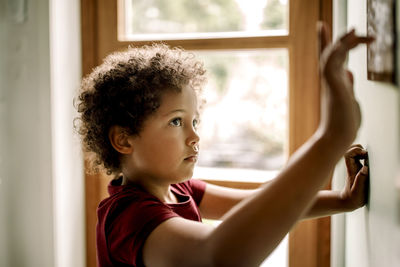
x=131 y=206
x=126 y=219
x=190 y=186
x=193 y=187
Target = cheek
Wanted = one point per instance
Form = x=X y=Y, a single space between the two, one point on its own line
x=162 y=149
x=171 y=147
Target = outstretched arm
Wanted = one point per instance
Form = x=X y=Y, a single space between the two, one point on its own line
x=219 y=200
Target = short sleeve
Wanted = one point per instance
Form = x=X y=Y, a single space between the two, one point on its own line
x=130 y=229
x=198 y=187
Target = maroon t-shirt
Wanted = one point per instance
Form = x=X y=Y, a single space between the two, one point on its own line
x=130 y=214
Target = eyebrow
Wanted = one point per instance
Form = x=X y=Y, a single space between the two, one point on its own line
x=174 y=111
x=178 y=110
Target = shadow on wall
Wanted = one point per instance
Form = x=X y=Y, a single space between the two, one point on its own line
x=398 y=194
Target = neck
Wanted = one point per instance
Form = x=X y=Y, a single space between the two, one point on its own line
x=161 y=191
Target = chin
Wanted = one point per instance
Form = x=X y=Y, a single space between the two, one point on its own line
x=184 y=178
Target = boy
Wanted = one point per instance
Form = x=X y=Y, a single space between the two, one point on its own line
x=139 y=113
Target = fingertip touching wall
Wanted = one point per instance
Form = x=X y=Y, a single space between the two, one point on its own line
x=371 y=235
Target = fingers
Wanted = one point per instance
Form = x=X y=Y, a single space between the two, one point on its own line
x=340 y=48
x=356 y=151
x=352 y=159
x=356 y=145
x=351 y=40
x=360 y=186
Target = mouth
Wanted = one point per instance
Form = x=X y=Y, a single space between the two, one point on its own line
x=192 y=158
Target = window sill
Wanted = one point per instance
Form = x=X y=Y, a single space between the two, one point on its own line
x=234 y=177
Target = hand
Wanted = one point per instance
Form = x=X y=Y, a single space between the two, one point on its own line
x=340 y=113
x=355 y=191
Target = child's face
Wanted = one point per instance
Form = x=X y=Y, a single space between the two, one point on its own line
x=166 y=149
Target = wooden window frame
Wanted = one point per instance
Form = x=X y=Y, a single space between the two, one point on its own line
x=309 y=241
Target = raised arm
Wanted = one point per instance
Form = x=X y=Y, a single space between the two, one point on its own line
x=254 y=227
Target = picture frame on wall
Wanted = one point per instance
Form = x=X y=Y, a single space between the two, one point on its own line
x=381 y=54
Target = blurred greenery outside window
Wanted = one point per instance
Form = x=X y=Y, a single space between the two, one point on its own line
x=165 y=19
x=243 y=126
x=244 y=122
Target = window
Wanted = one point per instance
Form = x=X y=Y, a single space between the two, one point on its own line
x=161 y=20
x=285 y=45
x=246 y=94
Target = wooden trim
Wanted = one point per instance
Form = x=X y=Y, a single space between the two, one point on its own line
x=326 y=12
x=218 y=43
x=92 y=200
x=303 y=110
x=96 y=190
x=309 y=241
x=107 y=23
x=108 y=36
x=120 y=19
x=234 y=184
x=324 y=224
x=89 y=35
x=89 y=61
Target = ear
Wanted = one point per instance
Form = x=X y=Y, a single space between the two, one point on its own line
x=120 y=139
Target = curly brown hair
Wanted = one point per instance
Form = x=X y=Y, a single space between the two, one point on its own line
x=124 y=90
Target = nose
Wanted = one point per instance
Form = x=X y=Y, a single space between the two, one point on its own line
x=193 y=138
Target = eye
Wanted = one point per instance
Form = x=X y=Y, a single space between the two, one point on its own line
x=196 y=123
x=177 y=122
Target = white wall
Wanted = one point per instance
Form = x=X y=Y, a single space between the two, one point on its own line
x=68 y=183
x=26 y=137
x=3 y=144
x=338 y=222
x=372 y=234
x=31 y=193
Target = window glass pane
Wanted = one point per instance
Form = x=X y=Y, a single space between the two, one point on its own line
x=245 y=117
x=164 y=19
